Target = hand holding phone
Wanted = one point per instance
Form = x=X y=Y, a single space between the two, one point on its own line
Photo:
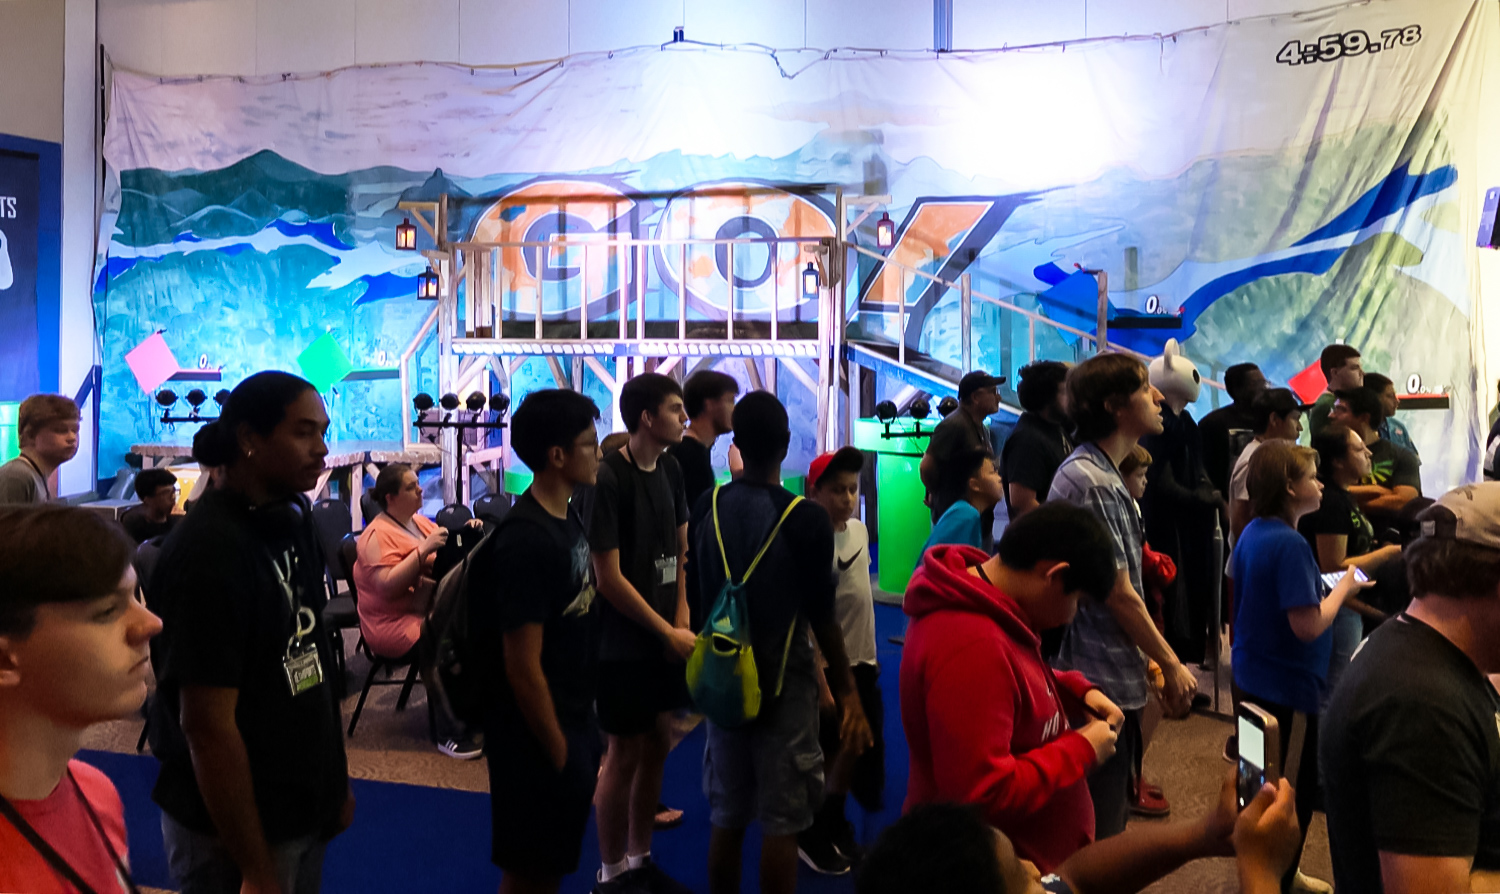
x=1259 y=739
x=1333 y=578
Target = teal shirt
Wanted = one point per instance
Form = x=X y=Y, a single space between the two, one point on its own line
x=959 y=524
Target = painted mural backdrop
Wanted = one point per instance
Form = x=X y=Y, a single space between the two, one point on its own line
x=1281 y=183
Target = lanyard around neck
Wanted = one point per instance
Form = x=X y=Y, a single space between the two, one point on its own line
x=38 y=470
x=50 y=854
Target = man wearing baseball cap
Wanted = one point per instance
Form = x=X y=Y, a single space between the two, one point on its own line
x=963 y=430
x=1276 y=414
x=1410 y=749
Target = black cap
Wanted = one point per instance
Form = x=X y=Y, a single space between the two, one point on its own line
x=977 y=381
x=1279 y=401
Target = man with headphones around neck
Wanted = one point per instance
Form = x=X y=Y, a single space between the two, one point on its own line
x=254 y=781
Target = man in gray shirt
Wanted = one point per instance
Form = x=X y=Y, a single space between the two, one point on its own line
x=47 y=427
x=1112 y=404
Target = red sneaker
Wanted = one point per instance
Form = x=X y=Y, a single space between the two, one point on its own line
x=1147 y=800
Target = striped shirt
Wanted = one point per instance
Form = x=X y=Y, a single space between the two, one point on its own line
x=1095 y=644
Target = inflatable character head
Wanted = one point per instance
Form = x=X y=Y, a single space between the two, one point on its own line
x=1174 y=375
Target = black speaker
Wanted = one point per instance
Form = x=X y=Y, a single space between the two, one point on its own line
x=1489 y=226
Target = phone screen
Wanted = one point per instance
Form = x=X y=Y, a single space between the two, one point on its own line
x=1252 y=745
x=1332 y=578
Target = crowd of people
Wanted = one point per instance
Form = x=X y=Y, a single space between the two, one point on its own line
x=1035 y=668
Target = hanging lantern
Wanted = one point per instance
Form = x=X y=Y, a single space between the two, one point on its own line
x=810 y=280
x=427 y=286
x=406 y=236
x=885 y=232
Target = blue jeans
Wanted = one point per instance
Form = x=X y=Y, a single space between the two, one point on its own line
x=1348 y=630
x=201 y=864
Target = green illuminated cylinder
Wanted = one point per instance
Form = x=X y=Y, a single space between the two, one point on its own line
x=904 y=522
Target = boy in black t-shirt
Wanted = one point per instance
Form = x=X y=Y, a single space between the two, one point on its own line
x=709 y=398
x=638 y=537
x=1410 y=742
x=771 y=770
x=531 y=599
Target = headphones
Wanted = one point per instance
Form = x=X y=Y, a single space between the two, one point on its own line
x=281 y=518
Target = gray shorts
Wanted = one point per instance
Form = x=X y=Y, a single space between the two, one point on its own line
x=771 y=770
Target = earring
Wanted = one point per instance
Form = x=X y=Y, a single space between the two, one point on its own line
x=249 y=453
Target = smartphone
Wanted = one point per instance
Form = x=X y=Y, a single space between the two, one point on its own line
x=1332 y=578
x=1260 y=751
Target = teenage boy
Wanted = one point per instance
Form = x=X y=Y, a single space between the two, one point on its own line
x=771 y=769
x=1410 y=744
x=959 y=432
x=833 y=481
x=638 y=540
x=1395 y=474
x=975 y=486
x=1113 y=405
x=47 y=427
x=1341 y=367
x=1040 y=441
x=1390 y=427
x=532 y=597
x=157 y=489
x=1277 y=417
x=1244 y=382
x=73 y=652
x=985 y=722
x=708 y=396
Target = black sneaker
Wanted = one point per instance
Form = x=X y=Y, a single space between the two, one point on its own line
x=819 y=853
x=625 y=883
x=1231 y=749
x=848 y=848
x=650 y=877
x=464 y=749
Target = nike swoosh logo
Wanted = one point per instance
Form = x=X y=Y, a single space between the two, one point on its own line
x=845 y=566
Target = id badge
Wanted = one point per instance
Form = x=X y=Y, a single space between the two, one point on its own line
x=666 y=571
x=304 y=670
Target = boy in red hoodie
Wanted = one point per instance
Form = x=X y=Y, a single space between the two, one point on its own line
x=987 y=721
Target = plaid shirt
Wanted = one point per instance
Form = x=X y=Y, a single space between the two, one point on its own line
x=1095 y=644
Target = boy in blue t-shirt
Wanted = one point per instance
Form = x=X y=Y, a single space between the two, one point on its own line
x=975 y=487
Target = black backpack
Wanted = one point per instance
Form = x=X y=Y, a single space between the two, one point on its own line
x=452 y=663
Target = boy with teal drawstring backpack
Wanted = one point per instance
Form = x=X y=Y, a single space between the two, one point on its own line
x=769 y=768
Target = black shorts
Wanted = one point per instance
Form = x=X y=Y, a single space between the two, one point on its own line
x=631 y=694
x=868 y=783
x=537 y=814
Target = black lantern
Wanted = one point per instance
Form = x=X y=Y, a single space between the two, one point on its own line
x=810 y=280
x=406 y=236
x=427 y=286
x=885 y=232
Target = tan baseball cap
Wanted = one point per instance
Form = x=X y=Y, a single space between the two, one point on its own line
x=1470 y=513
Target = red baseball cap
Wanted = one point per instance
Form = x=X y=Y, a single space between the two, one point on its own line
x=844 y=459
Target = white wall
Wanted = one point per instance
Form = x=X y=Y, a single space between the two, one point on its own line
x=189 y=37
x=31 y=69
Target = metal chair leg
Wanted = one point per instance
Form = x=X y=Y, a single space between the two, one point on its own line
x=411 y=679
x=364 y=694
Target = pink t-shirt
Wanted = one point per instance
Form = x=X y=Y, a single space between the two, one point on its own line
x=63 y=823
x=391 y=618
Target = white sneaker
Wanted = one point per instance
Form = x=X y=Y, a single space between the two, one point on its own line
x=464 y=749
x=1310 y=885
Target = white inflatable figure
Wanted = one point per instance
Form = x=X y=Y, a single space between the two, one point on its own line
x=7 y=275
x=1175 y=377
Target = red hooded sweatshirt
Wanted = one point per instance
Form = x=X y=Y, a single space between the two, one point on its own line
x=986 y=718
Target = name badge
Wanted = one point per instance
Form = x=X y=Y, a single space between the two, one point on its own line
x=666 y=571
x=304 y=670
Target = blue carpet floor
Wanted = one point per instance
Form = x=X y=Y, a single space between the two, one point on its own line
x=409 y=838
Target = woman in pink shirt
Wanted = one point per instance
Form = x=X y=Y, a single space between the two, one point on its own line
x=391 y=576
